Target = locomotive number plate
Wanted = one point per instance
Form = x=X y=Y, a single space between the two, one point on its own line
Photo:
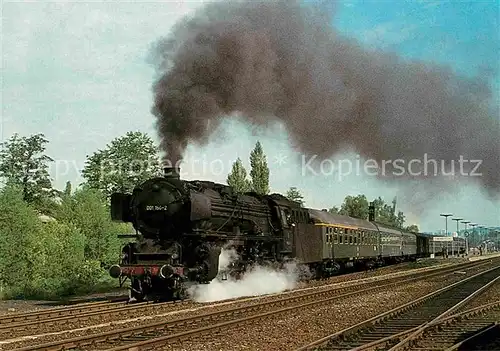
x=156 y=208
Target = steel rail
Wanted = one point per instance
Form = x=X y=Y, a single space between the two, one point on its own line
x=151 y=331
x=406 y=342
x=63 y=316
x=440 y=328
x=382 y=335
x=82 y=308
x=492 y=329
x=55 y=312
x=26 y=328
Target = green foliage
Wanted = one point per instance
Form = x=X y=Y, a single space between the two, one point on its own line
x=87 y=209
x=54 y=259
x=40 y=259
x=293 y=194
x=23 y=163
x=67 y=189
x=124 y=163
x=259 y=172
x=386 y=214
x=19 y=231
x=237 y=179
x=334 y=210
x=355 y=206
x=412 y=228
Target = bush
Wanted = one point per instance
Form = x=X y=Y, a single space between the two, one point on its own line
x=20 y=229
x=87 y=209
x=56 y=259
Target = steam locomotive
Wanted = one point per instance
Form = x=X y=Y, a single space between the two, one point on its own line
x=181 y=227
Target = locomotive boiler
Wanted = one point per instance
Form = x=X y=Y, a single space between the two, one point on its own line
x=181 y=227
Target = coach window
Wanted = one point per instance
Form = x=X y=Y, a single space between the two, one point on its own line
x=341 y=234
x=350 y=236
x=285 y=217
x=354 y=237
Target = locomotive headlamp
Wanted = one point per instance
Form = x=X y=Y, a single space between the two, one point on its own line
x=166 y=271
x=115 y=271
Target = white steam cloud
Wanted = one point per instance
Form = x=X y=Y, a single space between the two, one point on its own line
x=257 y=281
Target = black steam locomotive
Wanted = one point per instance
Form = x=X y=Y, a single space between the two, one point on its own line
x=182 y=226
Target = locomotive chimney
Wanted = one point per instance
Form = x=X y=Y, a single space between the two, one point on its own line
x=172 y=172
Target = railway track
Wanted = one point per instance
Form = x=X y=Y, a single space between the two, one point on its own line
x=58 y=319
x=486 y=339
x=157 y=334
x=456 y=331
x=395 y=329
x=59 y=311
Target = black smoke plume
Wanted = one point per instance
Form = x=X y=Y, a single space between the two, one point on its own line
x=283 y=61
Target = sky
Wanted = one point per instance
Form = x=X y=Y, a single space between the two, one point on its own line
x=79 y=73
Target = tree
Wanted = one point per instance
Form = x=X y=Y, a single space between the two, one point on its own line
x=400 y=220
x=334 y=210
x=412 y=228
x=87 y=209
x=123 y=164
x=42 y=259
x=19 y=230
x=259 y=172
x=355 y=206
x=386 y=214
x=293 y=194
x=237 y=179
x=67 y=189
x=23 y=162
